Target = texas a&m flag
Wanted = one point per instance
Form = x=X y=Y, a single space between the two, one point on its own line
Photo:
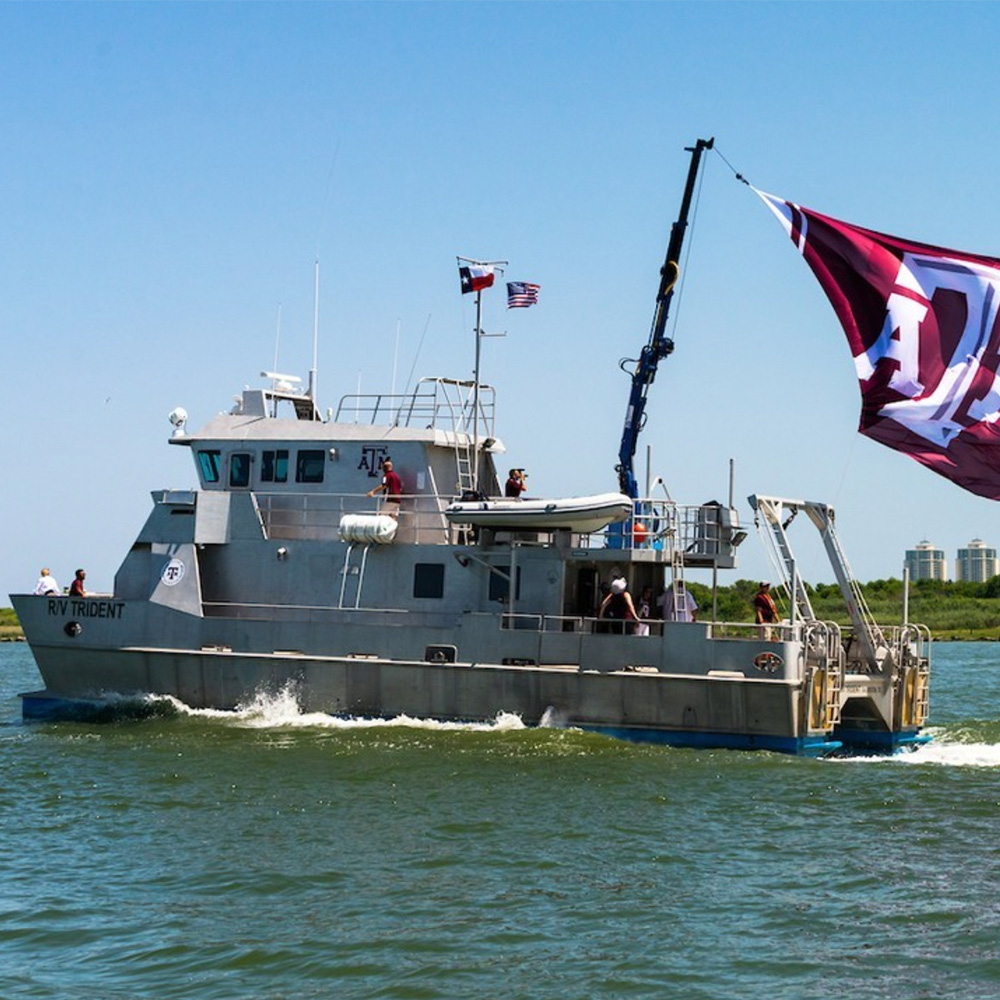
x=922 y=325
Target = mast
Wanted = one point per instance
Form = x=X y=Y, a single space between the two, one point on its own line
x=475 y=391
x=659 y=345
x=494 y=266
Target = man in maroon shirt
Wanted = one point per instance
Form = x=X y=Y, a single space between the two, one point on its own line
x=391 y=486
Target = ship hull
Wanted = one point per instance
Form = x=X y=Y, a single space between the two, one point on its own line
x=681 y=688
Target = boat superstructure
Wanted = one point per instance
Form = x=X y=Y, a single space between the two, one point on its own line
x=282 y=570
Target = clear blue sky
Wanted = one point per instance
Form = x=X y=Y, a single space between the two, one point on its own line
x=170 y=172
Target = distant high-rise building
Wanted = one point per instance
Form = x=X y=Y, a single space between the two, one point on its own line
x=976 y=563
x=926 y=562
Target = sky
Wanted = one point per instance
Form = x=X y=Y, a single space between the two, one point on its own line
x=171 y=171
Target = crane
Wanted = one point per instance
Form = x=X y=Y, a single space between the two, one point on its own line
x=659 y=345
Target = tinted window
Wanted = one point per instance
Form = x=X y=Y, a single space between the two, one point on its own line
x=274 y=466
x=209 y=464
x=428 y=580
x=309 y=467
x=239 y=469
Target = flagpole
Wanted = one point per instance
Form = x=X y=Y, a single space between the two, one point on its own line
x=491 y=266
x=475 y=391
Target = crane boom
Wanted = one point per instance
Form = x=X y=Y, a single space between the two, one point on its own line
x=659 y=345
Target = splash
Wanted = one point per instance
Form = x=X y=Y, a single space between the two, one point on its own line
x=950 y=753
x=282 y=710
x=944 y=750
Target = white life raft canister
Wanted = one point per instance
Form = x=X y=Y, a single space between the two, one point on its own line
x=378 y=528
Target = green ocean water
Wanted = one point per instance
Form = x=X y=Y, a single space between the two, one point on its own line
x=273 y=855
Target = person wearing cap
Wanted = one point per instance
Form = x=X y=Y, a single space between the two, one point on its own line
x=617 y=608
x=765 y=610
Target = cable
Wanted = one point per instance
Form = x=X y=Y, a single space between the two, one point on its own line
x=736 y=174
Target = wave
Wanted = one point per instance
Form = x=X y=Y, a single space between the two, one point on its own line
x=946 y=748
x=282 y=710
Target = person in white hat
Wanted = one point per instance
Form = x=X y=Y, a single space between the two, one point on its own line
x=617 y=607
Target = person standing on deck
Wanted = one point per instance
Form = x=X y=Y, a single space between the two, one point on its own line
x=678 y=603
x=76 y=587
x=765 y=610
x=617 y=608
x=515 y=484
x=47 y=586
x=391 y=486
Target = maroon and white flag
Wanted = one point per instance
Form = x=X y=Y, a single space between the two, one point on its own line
x=922 y=324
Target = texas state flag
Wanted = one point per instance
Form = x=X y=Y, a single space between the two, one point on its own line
x=475 y=277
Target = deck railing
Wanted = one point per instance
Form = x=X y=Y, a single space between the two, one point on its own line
x=695 y=535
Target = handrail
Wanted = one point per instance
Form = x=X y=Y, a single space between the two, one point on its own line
x=436 y=403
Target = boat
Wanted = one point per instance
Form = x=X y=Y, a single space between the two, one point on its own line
x=286 y=570
x=579 y=514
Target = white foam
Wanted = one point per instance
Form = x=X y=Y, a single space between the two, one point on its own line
x=941 y=750
x=281 y=710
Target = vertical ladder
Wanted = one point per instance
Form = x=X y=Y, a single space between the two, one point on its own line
x=463 y=465
x=676 y=577
x=874 y=648
x=458 y=413
x=772 y=511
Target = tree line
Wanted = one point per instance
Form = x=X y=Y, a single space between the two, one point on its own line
x=956 y=609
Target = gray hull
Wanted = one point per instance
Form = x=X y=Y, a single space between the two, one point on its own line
x=680 y=687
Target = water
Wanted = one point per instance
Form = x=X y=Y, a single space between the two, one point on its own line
x=275 y=855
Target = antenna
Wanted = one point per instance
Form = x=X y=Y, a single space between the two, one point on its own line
x=312 y=371
x=409 y=378
x=277 y=337
x=395 y=356
x=277 y=340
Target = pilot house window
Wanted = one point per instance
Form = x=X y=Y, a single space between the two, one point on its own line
x=274 y=466
x=239 y=469
x=309 y=466
x=208 y=462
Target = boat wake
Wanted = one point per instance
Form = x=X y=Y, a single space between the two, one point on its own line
x=282 y=710
x=946 y=749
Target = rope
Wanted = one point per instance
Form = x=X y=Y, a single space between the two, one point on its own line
x=736 y=174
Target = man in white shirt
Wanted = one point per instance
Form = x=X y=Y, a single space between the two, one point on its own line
x=47 y=586
x=683 y=608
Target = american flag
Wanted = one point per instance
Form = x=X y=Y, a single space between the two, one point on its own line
x=521 y=294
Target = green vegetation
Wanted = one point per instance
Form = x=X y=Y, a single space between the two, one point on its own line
x=950 y=610
x=9 y=627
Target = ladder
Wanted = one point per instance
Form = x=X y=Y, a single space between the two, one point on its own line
x=458 y=412
x=872 y=642
x=676 y=584
x=463 y=464
x=773 y=511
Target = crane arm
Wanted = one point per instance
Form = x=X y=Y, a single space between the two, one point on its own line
x=659 y=345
